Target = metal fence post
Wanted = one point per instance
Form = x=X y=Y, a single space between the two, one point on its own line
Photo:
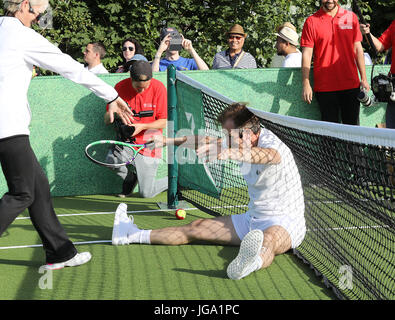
x=172 y=198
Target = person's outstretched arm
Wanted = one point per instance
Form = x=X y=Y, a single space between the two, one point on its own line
x=187 y=45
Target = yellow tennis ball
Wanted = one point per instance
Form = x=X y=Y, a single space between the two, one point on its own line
x=181 y=214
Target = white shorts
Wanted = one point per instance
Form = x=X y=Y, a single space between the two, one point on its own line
x=296 y=227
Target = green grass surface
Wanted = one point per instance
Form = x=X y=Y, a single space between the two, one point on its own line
x=145 y=272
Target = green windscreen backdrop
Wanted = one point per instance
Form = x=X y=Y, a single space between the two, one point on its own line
x=67 y=116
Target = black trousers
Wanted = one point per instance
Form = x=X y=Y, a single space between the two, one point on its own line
x=390 y=112
x=28 y=188
x=339 y=106
x=390 y=115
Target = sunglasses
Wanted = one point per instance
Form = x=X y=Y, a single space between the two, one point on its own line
x=31 y=10
x=231 y=37
x=126 y=48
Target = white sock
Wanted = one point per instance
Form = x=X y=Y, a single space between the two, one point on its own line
x=140 y=236
x=145 y=236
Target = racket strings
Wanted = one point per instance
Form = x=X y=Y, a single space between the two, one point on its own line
x=123 y=155
x=111 y=153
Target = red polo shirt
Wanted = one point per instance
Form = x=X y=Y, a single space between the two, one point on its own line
x=333 y=41
x=153 y=98
x=388 y=40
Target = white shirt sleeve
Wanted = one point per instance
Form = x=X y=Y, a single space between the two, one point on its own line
x=40 y=52
x=269 y=140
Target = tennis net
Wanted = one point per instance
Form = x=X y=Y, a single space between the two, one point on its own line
x=348 y=184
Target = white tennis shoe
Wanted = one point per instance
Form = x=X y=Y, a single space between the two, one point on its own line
x=77 y=260
x=119 y=233
x=248 y=260
x=123 y=226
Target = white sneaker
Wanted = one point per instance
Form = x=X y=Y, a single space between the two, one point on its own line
x=77 y=260
x=248 y=260
x=123 y=226
x=119 y=234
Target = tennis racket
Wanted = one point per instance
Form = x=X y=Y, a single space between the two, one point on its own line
x=113 y=154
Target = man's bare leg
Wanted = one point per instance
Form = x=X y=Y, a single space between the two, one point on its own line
x=276 y=240
x=217 y=230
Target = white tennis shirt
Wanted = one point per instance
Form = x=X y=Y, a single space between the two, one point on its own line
x=274 y=189
x=21 y=48
x=293 y=60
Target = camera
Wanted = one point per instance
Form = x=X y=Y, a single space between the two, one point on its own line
x=175 y=41
x=124 y=132
x=383 y=88
x=364 y=98
x=175 y=38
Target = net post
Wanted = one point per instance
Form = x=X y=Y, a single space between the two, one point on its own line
x=172 y=198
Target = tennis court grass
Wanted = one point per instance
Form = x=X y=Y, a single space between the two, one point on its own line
x=141 y=271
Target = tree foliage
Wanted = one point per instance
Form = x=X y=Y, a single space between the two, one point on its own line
x=203 y=21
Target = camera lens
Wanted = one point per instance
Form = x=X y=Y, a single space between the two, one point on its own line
x=364 y=99
x=127 y=131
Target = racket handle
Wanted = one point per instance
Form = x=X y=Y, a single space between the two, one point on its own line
x=149 y=144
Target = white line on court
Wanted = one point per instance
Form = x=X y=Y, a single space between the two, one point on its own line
x=110 y=212
x=348 y=228
x=40 y=245
x=130 y=212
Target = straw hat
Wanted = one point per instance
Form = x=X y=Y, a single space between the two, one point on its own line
x=288 y=33
x=237 y=29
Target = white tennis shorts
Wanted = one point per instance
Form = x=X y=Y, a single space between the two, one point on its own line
x=296 y=227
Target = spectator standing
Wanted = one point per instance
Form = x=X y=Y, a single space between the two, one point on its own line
x=28 y=188
x=332 y=35
x=234 y=57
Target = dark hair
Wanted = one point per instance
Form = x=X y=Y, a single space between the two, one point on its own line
x=241 y=116
x=137 y=45
x=138 y=50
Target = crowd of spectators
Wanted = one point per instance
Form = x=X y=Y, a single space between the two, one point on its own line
x=232 y=57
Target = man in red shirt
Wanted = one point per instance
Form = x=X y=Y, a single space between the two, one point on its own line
x=143 y=93
x=385 y=42
x=332 y=35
